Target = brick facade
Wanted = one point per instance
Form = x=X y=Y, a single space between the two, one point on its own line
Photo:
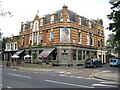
x=52 y=23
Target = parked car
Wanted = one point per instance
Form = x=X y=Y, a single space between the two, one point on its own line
x=93 y=62
x=114 y=62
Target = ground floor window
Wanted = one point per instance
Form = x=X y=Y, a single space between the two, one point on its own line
x=88 y=54
x=84 y=54
x=79 y=54
x=74 y=54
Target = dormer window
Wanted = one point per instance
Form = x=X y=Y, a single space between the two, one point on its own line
x=23 y=27
x=51 y=18
x=36 y=25
x=41 y=22
x=90 y=24
x=83 y=21
x=79 y=20
x=31 y=25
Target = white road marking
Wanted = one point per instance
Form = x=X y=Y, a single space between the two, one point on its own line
x=9 y=87
x=64 y=75
x=110 y=82
x=96 y=70
x=18 y=75
x=71 y=76
x=69 y=84
x=61 y=72
x=104 y=85
x=78 y=77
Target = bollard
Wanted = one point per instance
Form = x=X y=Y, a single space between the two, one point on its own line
x=43 y=65
x=50 y=64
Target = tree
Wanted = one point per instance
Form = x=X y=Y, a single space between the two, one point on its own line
x=115 y=25
x=3 y=45
x=110 y=44
x=3 y=12
x=100 y=21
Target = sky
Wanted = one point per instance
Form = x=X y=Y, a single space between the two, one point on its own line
x=25 y=10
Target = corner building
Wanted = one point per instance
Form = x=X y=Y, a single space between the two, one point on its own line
x=63 y=38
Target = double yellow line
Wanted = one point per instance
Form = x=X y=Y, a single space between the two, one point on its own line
x=92 y=75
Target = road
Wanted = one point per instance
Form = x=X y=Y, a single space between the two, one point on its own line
x=18 y=79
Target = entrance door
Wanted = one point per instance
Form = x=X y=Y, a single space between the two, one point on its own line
x=64 y=58
x=103 y=59
x=100 y=58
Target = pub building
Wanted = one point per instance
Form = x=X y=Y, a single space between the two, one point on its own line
x=62 y=37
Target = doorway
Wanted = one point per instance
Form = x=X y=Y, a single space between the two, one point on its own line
x=64 y=58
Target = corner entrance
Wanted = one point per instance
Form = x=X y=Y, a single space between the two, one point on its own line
x=64 y=58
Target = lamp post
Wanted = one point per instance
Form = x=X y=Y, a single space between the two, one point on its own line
x=1 y=49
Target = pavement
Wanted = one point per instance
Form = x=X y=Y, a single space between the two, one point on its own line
x=103 y=75
x=109 y=76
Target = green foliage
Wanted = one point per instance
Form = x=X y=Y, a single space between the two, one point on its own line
x=29 y=45
x=112 y=45
x=34 y=44
x=115 y=25
x=4 y=40
x=100 y=21
x=40 y=44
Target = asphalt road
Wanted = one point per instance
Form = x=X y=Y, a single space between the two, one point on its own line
x=17 y=79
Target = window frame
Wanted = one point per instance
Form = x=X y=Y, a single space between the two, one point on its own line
x=52 y=36
x=52 y=18
x=41 y=37
x=88 y=39
x=15 y=46
x=79 y=37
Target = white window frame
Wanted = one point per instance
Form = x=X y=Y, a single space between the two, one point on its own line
x=16 y=46
x=35 y=38
x=30 y=39
x=92 y=40
x=88 y=39
x=51 y=35
x=12 y=46
x=100 y=43
x=7 y=46
x=41 y=22
x=36 y=25
x=24 y=27
x=79 y=20
x=41 y=36
x=90 y=24
x=31 y=25
x=52 y=17
x=80 y=38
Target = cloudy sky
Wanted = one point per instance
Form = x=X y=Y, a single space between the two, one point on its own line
x=24 y=10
